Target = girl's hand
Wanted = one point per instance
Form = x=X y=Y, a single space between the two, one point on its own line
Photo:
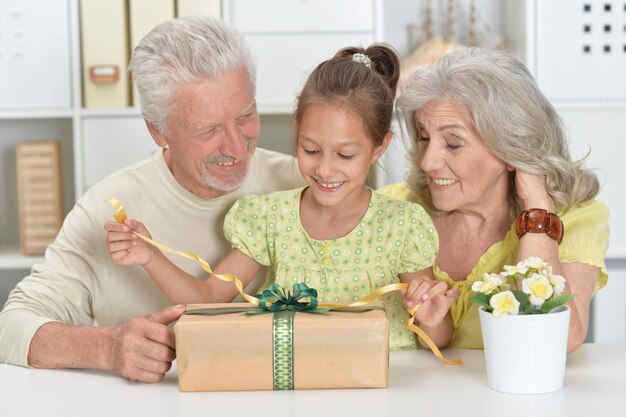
x=531 y=189
x=433 y=297
x=126 y=248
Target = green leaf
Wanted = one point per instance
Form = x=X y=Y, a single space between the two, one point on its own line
x=525 y=307
x=483 y=300
x=556 y=302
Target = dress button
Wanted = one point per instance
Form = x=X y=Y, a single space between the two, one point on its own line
x=324 y=250
x=326 y=261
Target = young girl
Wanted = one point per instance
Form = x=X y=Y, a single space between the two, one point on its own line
x=336 y=234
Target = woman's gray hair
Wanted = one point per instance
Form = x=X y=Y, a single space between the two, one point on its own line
x=512 y=116
x=184 y=50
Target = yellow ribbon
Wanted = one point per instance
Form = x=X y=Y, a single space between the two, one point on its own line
x=120 y=216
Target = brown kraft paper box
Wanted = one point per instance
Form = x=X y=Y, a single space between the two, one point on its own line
x=234 y=351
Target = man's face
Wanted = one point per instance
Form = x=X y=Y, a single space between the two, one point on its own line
x=213 y=132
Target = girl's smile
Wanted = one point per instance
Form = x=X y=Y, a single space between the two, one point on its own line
x=334 y=156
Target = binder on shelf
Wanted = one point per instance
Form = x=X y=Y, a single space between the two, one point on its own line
x=199 y=7
x=143 y=16
x=104 y=42
x=38 y=194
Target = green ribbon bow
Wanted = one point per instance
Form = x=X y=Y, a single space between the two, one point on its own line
x=276 y=298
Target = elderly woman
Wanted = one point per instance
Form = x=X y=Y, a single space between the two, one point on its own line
x=489 y=149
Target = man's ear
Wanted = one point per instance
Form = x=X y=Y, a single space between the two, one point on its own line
x=380 y=149
x=158 y=138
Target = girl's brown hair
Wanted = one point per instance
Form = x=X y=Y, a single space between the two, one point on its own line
x=368 y=92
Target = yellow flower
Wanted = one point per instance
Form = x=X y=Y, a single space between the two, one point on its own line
x=504 y=304
x=538 y=288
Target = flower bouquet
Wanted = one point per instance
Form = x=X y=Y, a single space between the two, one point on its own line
x=541 y=290
x=525 y=326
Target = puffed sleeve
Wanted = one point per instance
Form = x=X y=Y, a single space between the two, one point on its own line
x=245 y=227
x=586 y=236
x=421 y=240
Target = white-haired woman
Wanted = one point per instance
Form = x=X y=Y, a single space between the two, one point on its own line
x=488 y=151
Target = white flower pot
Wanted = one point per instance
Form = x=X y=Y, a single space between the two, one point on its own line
x=525 y=354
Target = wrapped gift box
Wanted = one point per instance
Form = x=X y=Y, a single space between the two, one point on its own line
x=226 y=351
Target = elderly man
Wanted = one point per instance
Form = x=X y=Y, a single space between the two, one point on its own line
x=78 y=309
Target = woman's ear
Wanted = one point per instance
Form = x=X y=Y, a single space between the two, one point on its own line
x=380 y=149
x=510 y=168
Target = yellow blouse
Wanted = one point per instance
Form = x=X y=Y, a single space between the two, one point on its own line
x=586 y=240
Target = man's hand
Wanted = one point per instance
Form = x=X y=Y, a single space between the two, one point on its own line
x=143 y=349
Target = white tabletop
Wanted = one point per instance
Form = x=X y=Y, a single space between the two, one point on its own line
x=419 y=385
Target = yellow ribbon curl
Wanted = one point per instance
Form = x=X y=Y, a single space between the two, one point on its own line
x=120 y=216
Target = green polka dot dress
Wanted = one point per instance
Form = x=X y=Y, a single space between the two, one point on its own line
x=393 y=237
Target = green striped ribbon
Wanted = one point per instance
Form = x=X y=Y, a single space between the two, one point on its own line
x=282 y=349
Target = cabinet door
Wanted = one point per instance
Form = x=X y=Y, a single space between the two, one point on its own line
x=34 y=55
x=598 y=131
x=109 y=144
x=302 y=15
x=581 y=49
x=284 y=62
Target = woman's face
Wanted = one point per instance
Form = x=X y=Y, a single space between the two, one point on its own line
x=461 y=171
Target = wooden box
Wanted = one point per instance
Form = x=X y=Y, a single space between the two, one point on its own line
x=38 y=194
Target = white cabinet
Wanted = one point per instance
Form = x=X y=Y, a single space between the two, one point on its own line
x=41 y=87
x=37 y=101
x=34 y=55
x=290 y=37
x=281 y=75
x=118 y=140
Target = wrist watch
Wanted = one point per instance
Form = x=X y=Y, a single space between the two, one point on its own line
x=536 y=220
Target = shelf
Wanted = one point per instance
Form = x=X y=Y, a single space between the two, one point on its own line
x=127 y=111
x=11 y=258
x=36 y=114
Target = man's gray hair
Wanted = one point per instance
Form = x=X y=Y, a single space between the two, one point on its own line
x=180 y=51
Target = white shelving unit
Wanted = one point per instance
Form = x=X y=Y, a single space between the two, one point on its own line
x=289 y=41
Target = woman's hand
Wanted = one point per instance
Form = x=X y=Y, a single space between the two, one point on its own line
x=125 y=247
x=433 y=297
x=531 y=189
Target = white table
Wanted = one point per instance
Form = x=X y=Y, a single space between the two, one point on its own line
x=419 y=385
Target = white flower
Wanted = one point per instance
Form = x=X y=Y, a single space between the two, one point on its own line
x=489 y=283
x=538 y=288
x=509 y=270
x=535 y=263
x=558 y=283
x=504 y=304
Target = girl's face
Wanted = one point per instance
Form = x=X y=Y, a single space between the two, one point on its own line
x=462 y=172
x=335 y=153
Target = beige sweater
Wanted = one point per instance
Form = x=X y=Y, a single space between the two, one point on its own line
x=78 y=284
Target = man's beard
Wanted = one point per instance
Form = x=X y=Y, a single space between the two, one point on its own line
x=220 y=184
